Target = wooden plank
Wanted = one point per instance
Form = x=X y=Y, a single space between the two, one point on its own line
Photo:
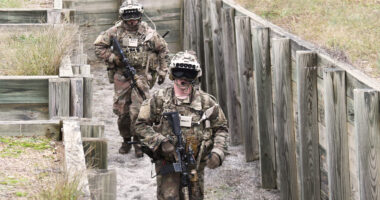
x=48 y=128
x=233 y=90
x=283 y=118
x=215 y=16
x=336 y=131
x=76 y=97
x=11 y=112
x=92 y=129
x=59 y=97
x=95 y=151
x=308 y=124
x=23 y=16
x=367 y=132
x=102 y=184
x=107 y=6
x=208 y=52
x=263 y=78
x=247 y=88
x=87 y=96
x=24 y=90
x=75 y=166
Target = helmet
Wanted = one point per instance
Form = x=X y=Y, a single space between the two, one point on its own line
x=185 y=65
x=131 y=10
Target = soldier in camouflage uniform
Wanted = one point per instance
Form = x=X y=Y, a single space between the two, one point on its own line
x=147 y=52
x=207 y=139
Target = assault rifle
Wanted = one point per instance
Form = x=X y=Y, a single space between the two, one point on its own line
x=185 y=156
x=130 y=71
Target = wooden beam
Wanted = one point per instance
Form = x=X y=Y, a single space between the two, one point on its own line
x=230 y=60
x=367 y=133
x=102 y=184
x=308 y=124
x=48 y=128
x=95 y=151
x=216 y=30
x=59 y=97
x=76 y=97
x=24 y=90
x=87 y=96
x=247 y=88
x=208 y=50
x=12 y=112
x=336 y=131
x=263 y=78
x=283 y=118
x=75 y=165
x=90 y=128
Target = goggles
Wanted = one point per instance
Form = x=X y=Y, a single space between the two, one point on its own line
x=132 y=14
x=189 y=74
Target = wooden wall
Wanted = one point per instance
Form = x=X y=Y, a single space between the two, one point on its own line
x=95 y=16
x=318 y=143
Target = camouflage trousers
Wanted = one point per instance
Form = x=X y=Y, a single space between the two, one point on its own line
x=168 y=186
x=127 y=102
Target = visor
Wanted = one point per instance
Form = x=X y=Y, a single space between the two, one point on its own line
x=131 y=15
x=184 y=73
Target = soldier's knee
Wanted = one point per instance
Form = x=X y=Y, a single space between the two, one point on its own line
x=170 y=194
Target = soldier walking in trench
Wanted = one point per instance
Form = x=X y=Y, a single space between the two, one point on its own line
x=202 y=123
x=147 y=52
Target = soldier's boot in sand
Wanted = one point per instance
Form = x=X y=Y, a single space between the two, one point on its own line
x=125 y=147
x=138 y=151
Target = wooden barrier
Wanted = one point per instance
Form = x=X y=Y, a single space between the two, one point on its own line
x=308 y=124
x=283 y=118
x=95 y=150
x=247 y=88
x=336 y=131
x=102 y=184
x=59 y=97
x=215 y=18
x=367 y=133
x=263 y=78
x=76 y=97
x=230 y=60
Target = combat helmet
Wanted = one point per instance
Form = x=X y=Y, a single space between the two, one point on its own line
x=131 y=10
x=185 y=65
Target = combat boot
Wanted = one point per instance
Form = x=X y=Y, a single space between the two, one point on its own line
x=125 y=147
x=138 y=151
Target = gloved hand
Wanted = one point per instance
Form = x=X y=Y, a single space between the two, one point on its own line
x=168 y=151
x=161 y=79
x=115 y=59
x=213 y=161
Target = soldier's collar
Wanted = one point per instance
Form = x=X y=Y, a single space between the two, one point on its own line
x=194 y=100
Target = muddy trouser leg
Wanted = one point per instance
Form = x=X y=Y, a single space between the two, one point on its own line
x=197 y=188
x=167 y=185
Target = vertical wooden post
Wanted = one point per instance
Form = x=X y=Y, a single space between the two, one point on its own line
x=208 y=52
x=247 y=88
x=215 y=14
x=95 y=151
x=59 y=97
x=102 y=184
x=308 y=124
x=76 y=97
x=336 y=131
x=87 y=96
x=232 y=77
x=193 y=34
x=367 y=133
x=263 y=78
x=283 y=118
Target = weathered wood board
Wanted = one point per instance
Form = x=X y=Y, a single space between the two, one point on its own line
x=49 y=128
x=11 y=112
x=23 y=16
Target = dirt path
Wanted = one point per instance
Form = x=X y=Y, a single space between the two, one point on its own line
x=236 y=179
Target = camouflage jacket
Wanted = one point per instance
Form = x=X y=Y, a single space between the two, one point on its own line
x=153 y=128
x=145 y=49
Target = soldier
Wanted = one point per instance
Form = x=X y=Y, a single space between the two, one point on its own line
x=147 y=52
x=207 y=139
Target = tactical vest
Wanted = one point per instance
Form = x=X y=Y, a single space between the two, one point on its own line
x=138 y=51
x=194 y=134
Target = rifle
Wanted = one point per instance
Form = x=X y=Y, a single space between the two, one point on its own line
x=185 y=158
x=130 y=71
